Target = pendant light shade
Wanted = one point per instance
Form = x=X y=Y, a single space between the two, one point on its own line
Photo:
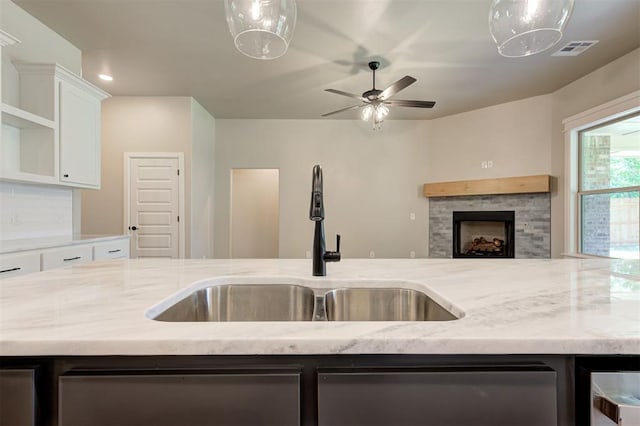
x=261 y=29
x=526 y=27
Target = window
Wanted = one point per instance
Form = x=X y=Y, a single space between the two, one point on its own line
x=609 y=189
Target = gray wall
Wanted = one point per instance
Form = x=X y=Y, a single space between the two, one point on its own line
x=526 y=137
x=372 y=182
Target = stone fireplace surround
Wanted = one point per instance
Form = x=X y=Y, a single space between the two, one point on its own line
x=532 y=213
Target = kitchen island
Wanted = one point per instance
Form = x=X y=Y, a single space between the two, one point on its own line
x=536 y=316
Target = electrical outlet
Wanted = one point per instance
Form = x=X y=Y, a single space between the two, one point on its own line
x=489 y=164
x=412 y=216
x=483 y=164
x=412 y=254
x=372 y=254
x=308 y=254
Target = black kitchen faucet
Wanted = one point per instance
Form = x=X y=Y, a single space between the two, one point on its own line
x=316 y=214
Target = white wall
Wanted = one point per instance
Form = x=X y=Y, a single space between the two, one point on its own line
x=34 y=211
x=21 y=206
x=38 y=42
x=202 y=176
x=372 y=182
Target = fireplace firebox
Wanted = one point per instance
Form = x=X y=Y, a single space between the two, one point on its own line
x=483 y=234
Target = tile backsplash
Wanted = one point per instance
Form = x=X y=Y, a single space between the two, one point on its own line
x=33 y=211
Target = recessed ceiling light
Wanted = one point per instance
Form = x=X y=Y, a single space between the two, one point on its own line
x=105 y=77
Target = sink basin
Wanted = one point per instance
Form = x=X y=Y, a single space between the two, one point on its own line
x=244 y=302
x=383 y=304
x=296 y=299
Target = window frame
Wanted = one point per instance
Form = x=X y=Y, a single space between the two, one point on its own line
x=618 y=109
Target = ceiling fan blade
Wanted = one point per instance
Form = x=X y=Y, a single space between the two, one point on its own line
x=396 y=87
x=416 y=104
x=341 y=110
x=351 y=95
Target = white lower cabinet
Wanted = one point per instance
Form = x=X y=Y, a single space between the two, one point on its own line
x=64 y=256
x=19 y=264
x=118 y=249
x=26 y=262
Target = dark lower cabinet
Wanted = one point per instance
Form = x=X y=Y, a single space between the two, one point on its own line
x=282 y=390
x=438 y=396
x=17 y=397
x=179 y=398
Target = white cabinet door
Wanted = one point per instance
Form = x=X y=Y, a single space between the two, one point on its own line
x=118 y=249
x=79 y=136
x=65 y=256
x=12 y=265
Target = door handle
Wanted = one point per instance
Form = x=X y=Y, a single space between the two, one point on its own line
x=133 y=228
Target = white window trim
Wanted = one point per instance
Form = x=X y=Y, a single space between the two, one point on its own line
x=612 y=110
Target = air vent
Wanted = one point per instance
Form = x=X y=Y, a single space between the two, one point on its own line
x=574 y=48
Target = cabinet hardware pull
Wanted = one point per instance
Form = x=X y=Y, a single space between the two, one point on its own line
x=114 y=251
x=10 y=270
x=65 y=175
x=71 y=258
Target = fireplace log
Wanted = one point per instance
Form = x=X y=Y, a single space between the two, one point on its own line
x=481 y=244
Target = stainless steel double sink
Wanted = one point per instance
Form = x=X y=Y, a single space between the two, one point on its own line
x=291 y=302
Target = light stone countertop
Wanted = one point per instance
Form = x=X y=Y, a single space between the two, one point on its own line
x=560 y=306
x=13 y=246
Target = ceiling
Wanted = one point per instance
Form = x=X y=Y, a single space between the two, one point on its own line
x=184 y=48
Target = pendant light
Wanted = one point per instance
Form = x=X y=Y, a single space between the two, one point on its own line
x=261 y=29
x=526 y=27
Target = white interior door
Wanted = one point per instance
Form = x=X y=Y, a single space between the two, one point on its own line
x=154 y=206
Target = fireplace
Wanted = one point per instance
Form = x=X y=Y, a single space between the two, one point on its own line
x=483 y=234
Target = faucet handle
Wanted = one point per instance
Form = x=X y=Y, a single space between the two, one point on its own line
x=333 y=256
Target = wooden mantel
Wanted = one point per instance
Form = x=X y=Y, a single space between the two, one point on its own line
x=511 y=185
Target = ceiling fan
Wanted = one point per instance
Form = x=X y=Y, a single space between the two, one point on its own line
x=375 y=101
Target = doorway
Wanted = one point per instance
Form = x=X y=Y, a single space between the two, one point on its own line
x=255 y=213
x=154 y=204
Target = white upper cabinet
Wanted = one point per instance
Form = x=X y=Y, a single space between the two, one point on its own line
x=79 y=135
x=52 y=135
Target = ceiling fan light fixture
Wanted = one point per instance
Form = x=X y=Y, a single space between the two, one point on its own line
x=376 y=113
x=367 y=112
x=376 y=102
x=261 y=29
x=526 y=27
x=382 y=111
